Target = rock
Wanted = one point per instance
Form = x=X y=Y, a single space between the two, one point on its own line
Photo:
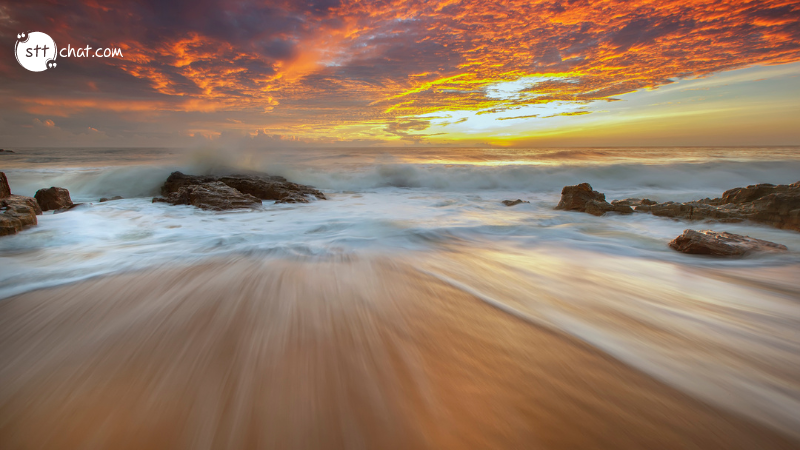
x=16 y=211
x=272 y=188
x=714 y=243
x=215 y=195
x=67 y=208
x=633 y=202
x=752 y=192
x=106 y=199
x=262 y=186
x=53 y=198
x=582 y=198
x=774 y=205
x=514 y=202
x=575 y=198
x=5 y=190
x=6 y=151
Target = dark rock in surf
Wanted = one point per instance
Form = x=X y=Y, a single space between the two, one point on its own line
x=514 y=202
x=774 y=205
x=714 y=243
x=575 y=198
x=261 y=186
x=67 y=208
x=106 y=199
x=53 y=198
x=215 y=196
x=6 y=151
x=5 y=190
x=16 y=211
x=582 y=198
x=633 y=202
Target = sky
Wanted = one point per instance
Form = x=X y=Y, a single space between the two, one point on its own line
x=401 y=73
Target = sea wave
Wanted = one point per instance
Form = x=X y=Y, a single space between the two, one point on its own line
x=680 y=182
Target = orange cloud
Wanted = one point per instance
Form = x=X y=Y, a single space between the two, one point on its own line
x=370 y=69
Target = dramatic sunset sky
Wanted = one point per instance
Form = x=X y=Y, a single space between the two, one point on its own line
x=396 y=73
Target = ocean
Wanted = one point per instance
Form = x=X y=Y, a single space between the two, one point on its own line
x=723 y=331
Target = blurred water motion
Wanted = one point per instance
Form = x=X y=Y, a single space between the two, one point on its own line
x=372 y=352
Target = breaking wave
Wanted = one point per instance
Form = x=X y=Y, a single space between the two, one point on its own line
x=683 y=181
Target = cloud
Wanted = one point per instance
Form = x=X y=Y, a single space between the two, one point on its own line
x=320 y=69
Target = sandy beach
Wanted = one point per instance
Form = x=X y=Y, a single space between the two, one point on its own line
x=348 y=353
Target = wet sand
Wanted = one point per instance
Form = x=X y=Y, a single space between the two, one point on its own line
x=364 y=353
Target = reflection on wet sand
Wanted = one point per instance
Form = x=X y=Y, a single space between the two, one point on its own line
x=358 y=353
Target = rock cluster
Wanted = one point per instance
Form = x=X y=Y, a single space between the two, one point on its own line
x=714 y=243
x=514 y=202
x=232 y=191
x=774 y=205
x=53 y=198
x=16 y=211
x=582 y=198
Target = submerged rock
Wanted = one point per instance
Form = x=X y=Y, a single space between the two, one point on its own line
x=106 y=199
x=6 y=151
x=714 y=243
x=70 y=207
x=16 y=211
x=215 y=195
x=582 y=198
x=53 y=198
x=632 y=202
x=774 y=205
x=514 y=202
x=264 y=187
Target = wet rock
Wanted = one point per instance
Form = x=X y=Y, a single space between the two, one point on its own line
x=215 y=196
x=632 y=202
x=514 y=202
x=575 y=198
x=53 y=198
x=774 y=205
x=16 y=211
x=752 y=192
x=67 y=208
x=6 y=151
x=272 y=188
x=262 y=186
x=582 y=198
x=5 y=190
x=106 y=199
x=708 y=242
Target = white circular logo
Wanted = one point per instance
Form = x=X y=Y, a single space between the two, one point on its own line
x=36 y=51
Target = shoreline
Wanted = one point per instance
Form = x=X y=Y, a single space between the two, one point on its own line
x=355 y=353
